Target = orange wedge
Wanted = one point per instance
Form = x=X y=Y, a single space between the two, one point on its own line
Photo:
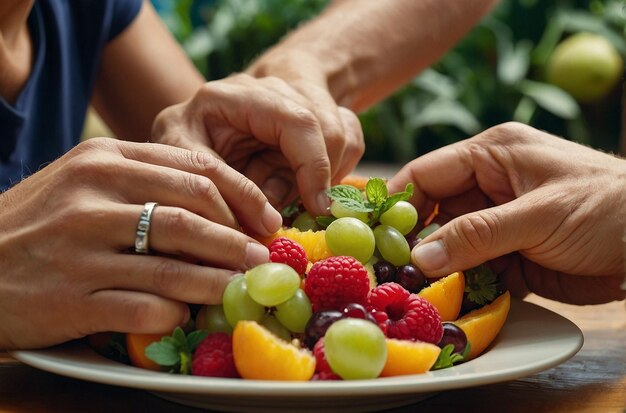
x=446 y=295
x=136 y=347
x=260 y=355
x=313 y=242
x=483 y=325
x=409 y=357
x=356 y=181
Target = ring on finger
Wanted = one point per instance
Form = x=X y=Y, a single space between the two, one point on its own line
x=142 y=244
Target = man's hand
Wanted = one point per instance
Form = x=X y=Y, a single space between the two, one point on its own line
x=67 y=232
x=269 y=132
x=552 y=210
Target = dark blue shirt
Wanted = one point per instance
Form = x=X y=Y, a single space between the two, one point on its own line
x=47 y=118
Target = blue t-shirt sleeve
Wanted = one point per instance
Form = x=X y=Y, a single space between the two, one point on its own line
x=123 y=12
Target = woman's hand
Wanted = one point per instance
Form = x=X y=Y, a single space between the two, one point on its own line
x=269 y=132
x=553 y=210
x=67 y=232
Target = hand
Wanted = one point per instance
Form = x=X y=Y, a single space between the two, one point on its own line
x=553 y=210
x=269 y=132
x=67 y=232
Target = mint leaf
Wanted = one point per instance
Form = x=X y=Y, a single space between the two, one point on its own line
x=291 y=209
x=163 y=353
x=447 y=358
x=481 y=285
x=349 y=196
x=324 y=221
x=195 y=337
x=376 y=191
x=175 y=351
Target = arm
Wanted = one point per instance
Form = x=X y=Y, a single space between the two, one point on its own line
x=143 y=71
x=363 y=50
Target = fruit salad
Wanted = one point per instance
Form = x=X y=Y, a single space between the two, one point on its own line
x=339 y=300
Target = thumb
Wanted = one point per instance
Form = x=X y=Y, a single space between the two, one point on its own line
x=474 y=238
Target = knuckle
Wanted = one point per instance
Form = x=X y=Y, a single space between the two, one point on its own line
x=478 y=232
x=167 y=276
x=176 y=221
x=304 y=118
x=321 y=166
x=141 y=314
x=249 y=191
x=504 y=132
x=201 y=187
x=208 y=164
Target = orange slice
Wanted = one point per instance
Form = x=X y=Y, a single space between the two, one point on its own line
x=357 y=181
x=481 y=326
x=409 y=357
x=313 y=242
x=260 y=355
x=136 y=347
x=446 y=295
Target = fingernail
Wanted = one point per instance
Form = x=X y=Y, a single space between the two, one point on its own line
x=271 y=219
x=256 y=254
x=276 y=189
x=323 y=202
x=431 y=256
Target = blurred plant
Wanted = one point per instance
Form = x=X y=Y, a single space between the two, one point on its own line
x=495 y=74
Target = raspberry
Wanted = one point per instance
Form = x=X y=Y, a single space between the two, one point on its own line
x=410 y=317
x=321 y=365
x=288 y=252
x=214 y=357
x=335 y=282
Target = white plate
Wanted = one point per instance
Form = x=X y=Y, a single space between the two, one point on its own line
x=533 y=339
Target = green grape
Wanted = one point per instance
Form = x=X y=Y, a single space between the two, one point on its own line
x=305 y=222
x=340 y=211
x=213 y=319
x=349 y=236
x=392 y=245
x=295 y=312
x=355 y=349
x=238 y=305
x=402 y=216
x=427 y=230
x=272 y=283
x=273 y=325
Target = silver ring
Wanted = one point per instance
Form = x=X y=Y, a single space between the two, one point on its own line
x=142 y=245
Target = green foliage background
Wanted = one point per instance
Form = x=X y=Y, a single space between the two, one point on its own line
x=495 y=74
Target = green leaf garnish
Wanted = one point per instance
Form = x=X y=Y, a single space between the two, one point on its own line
x=175 y=351
x=324 y=221
x=376 y=192
x=447 y=358
x=481 y=285
x=375 y=201
x=291 y=209
x=350 y=197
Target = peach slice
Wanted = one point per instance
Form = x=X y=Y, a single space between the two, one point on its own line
x=260 y=355
x=409 y=357
x=481 y=326
x=446 y=295
x=313 y=242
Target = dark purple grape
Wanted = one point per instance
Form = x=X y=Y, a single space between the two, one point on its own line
x=468 y=305
x=413 y=241
x=354 y=310
x=385 y=272
x=455 y=336
x=318 y=324
x=411 y=278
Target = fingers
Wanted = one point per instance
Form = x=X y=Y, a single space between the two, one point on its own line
x=131 y=311
x=179 y=232
x=240 y=194
x=168 y=278
x=479 y=236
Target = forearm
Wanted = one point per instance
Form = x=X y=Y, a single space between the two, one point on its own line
x=365 y=49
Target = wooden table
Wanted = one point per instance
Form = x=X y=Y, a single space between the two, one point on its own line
x=592 y=381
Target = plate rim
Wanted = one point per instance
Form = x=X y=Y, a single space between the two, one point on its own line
x=459 y=376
